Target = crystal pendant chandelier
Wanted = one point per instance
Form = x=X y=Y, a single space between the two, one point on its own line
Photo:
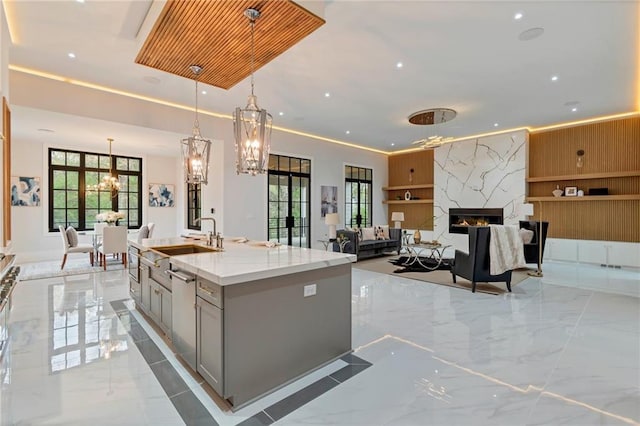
x=195 y=148
x=109 y=182
x=252 y=125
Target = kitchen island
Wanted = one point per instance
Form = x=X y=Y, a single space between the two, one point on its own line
x=251 y=318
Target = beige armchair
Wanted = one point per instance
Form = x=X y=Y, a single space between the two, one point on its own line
x=114 y=241
x=73 y=246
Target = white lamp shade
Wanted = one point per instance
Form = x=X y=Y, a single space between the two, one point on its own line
x=527 y=209
x=397 y=216
x=332 y=219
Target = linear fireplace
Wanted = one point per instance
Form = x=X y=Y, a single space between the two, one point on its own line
x=460 y=219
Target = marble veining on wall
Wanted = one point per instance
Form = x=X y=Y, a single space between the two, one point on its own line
x=486 y=172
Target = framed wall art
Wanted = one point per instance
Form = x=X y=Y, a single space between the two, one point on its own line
x=328 y=200
x=25 y=191
x=161 y=195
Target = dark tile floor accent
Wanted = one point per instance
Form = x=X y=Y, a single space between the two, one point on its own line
x=191 y=410
x=189 y=406
x=294 y=401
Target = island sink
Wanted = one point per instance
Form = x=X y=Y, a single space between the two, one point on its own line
x=185 y=249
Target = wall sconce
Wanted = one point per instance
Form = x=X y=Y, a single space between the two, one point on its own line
x=580 y=159
x=410 y=176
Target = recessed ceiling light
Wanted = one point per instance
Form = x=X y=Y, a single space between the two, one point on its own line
x=554 y=78
x=151 y=80
x=495 y=124
x=530 y=34
x=348 y=132
x=399 y=65
x=574 y=109
x=327 y=94
x=393 y=144
x=204 y=92
x=518 y=16
x=80 y=1
x=281 y=113
x=71 y=55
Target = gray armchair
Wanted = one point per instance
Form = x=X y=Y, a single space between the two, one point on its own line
x=474 y=266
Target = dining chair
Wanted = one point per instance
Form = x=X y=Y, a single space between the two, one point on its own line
x=97 y=229
x=71 y=245
x=114 y=241
x=151 y=227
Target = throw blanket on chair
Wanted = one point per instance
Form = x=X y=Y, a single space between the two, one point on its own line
x=505 y=249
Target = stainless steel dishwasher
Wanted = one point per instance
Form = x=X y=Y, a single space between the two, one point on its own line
x=183 y=313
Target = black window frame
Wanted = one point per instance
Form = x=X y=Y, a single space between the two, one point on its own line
x=194 y=205
x=82 y=169
x=364 y=177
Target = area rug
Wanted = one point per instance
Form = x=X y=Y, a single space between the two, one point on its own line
x=384 y=265
x=51 y=268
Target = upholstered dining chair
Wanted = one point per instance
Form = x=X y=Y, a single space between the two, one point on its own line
x=114 y=241
x=151 y=227
x=97 y=229
x=70 y=244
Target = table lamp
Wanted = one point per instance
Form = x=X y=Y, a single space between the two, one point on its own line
x=332 y=219
x=397 y=218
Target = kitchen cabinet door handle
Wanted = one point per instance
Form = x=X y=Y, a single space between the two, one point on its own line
x=181 y=277
x=210 y=293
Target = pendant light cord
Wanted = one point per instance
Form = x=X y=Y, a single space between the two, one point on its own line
x=253 y=21
x=196 y=124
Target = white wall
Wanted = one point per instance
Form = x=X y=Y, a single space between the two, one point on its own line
x=31 y=238
x=245 y=198
x=480 y=173
x=239 y=201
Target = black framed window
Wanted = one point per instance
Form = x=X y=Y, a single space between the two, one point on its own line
x=71 y=204
x=194 y=200
x=358 y=200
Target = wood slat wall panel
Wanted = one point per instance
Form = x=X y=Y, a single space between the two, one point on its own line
x=217 y=36
x=415 y=215
x=593 y=220
x=611 y=146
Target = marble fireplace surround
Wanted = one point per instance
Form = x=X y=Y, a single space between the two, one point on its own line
x=488 y=172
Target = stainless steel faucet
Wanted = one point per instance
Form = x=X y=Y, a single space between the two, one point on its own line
x=210 y=235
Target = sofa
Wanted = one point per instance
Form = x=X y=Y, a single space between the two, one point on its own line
x=364 y=249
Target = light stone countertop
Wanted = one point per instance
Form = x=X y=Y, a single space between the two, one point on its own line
x=243 y=262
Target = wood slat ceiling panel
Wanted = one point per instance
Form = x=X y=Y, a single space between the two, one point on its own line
x=217 y=36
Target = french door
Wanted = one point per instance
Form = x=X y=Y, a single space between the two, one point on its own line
x=358 y=201
x=289 y=200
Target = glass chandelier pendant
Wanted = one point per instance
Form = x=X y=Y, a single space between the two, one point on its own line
x=195 y=148
x=109 y=182
x=252 y=126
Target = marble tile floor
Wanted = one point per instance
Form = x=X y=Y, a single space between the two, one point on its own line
x=564 y=349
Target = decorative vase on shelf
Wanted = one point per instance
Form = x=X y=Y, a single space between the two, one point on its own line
x=557 y=192
x=407 y=195
x=417 y=237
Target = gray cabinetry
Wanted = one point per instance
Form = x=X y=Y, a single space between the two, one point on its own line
x=209 y=344
x=160 y=306
x=145 y=288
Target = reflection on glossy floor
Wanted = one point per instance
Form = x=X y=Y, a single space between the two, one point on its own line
x=552 y=352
